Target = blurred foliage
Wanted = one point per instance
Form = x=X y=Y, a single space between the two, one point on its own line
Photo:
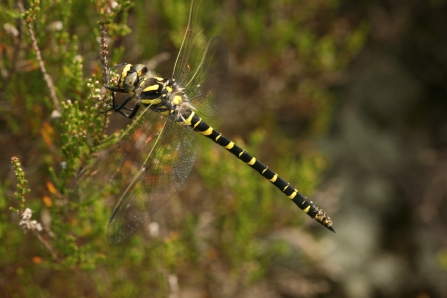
x=220 y=238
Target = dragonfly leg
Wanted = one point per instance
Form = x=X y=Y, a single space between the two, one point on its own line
x=133 y=111
x=119 y=108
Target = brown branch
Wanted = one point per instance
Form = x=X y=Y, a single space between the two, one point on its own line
x=104 y=52
x=105 y=69
x=46 y=76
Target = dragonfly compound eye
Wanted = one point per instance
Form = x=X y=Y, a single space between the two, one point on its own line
x=130 y=81
x=141 y=69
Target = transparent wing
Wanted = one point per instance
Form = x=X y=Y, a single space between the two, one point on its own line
x=115 y=165
x=194 y=42
x=201 y=66
x=153 y=150
x=160 y=177
x=208 y=89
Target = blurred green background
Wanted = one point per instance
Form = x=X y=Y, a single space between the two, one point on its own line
x=347 y=100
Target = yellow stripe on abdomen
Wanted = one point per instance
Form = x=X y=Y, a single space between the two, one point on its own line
x=293 y=195
x=252 y=161
x=229 y=146
x=206 y=132
x=198 y=122
x=189 y=119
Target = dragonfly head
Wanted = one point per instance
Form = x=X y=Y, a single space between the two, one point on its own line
x=130 y=76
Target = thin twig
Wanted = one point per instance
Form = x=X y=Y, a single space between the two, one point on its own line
x=105 y=70
x=46 y=76
x=48 y=246
x=104 y=52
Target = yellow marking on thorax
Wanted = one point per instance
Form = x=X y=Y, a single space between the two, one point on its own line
x=229 y=146
x=125 y=70
x=150 y=101
x=177 y=99
x=292 y=195
x=252 y=161
x=151 y=88
x=206 y=132
x=158 y=78
x=274 y=178
x=169 y=89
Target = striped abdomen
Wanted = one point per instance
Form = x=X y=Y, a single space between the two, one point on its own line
x=201 y=127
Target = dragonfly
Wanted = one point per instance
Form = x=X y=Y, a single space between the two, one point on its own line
x=153 y=157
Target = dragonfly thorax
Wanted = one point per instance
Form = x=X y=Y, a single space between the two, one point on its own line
x=162 y=95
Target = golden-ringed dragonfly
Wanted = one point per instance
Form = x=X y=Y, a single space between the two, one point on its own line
x=153 y=157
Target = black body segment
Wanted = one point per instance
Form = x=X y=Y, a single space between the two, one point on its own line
x=201 y=127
